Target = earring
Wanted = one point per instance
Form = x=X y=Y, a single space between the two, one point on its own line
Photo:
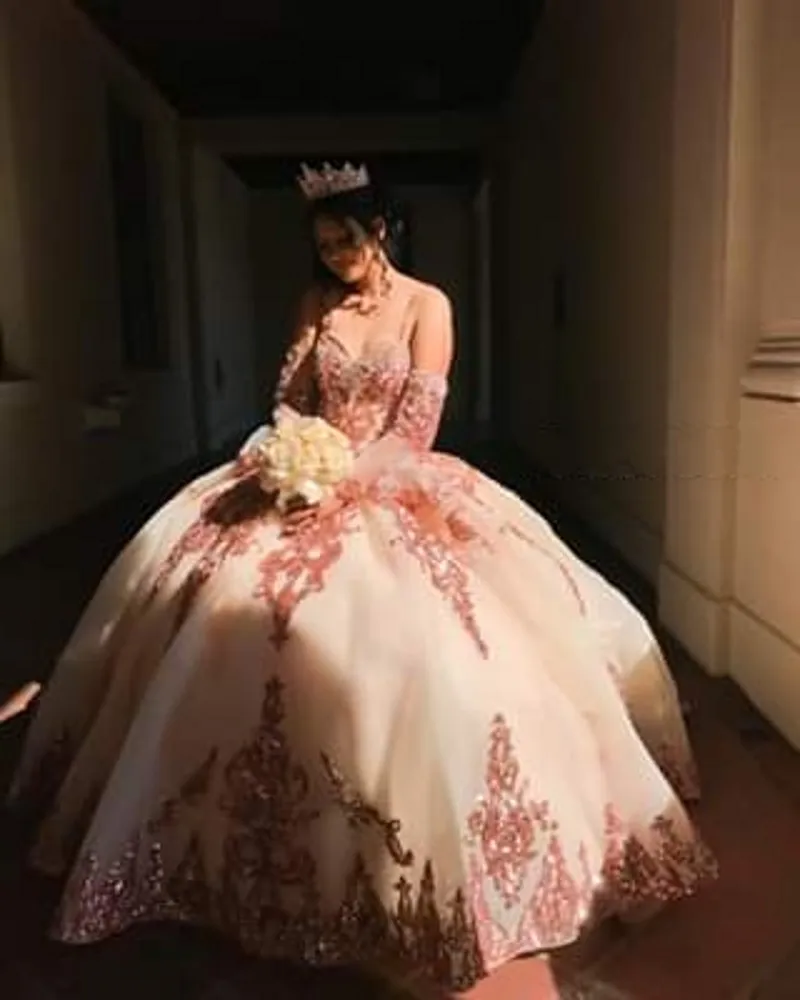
x=385 y=281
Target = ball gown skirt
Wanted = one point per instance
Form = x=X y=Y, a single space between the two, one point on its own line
x=420 y=731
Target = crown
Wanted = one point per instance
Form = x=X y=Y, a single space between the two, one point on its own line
x=328 y=181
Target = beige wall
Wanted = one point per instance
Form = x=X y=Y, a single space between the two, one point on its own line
x=589 y=134
x=58 y=299
x=713 y=313
x=730 y=575
x=765 y=605
x=653 y=150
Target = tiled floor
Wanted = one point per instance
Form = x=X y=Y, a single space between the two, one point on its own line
x=739 y=940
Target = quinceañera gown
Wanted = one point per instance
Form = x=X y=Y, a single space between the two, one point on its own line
x=418 y=731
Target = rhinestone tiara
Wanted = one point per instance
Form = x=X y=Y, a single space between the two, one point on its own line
x=328 y=181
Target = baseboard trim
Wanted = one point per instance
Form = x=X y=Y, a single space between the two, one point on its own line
x=766 y=666
x=695 y=618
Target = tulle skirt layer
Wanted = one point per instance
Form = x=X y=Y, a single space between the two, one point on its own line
x=419 y=731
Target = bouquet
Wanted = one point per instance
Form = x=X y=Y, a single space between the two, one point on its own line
x=302 y=459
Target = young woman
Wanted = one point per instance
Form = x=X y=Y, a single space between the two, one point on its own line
x=405 y=726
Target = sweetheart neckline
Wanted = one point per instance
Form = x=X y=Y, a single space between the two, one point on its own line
x=393 y=354
x=362 y=359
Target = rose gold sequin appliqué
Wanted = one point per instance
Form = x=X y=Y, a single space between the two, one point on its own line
x=237 y=846
x=505 y=821
x=569 y=579
x=298 y=565
x=265 y=889
x=665 y=862
x=226 y=523
x=435 y=544
x=508 y=832
x=357 y=394
x=419 y=411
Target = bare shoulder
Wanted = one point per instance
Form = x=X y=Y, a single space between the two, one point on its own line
x=427 y=293
x=432 y=337
x=429 y=300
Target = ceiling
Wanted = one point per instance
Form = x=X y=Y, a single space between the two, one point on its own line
x=390 y=169
x=221 y=58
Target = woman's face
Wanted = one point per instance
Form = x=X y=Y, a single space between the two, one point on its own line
x=345 y=248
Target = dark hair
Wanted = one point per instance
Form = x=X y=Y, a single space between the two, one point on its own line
x=369 y=207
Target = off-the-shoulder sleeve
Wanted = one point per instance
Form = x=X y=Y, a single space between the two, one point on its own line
x=412 y=431
x=419 y=410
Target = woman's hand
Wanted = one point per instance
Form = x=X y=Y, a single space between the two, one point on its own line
x=298 y=518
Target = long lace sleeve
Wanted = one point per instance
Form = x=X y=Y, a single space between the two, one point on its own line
x=296 y=379
x=296 y=386
x=419 y=411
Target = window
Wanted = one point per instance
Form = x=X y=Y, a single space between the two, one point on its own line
x=144 y=345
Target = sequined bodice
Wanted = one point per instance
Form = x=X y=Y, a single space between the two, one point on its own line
x=365 y=397
x=360 y=395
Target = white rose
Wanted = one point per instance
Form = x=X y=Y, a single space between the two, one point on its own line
x=310 y=491
x=303 y=457
x=278 y=456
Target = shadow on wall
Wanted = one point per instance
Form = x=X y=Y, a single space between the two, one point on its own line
x=64 y=276
x=586 y=173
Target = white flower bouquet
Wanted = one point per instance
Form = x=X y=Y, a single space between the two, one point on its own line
x=302 y=459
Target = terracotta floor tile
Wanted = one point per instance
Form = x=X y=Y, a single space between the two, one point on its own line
x=526 y=979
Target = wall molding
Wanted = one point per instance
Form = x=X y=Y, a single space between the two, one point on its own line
x=695 y=617
x=766 y=666
x=773 y=371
